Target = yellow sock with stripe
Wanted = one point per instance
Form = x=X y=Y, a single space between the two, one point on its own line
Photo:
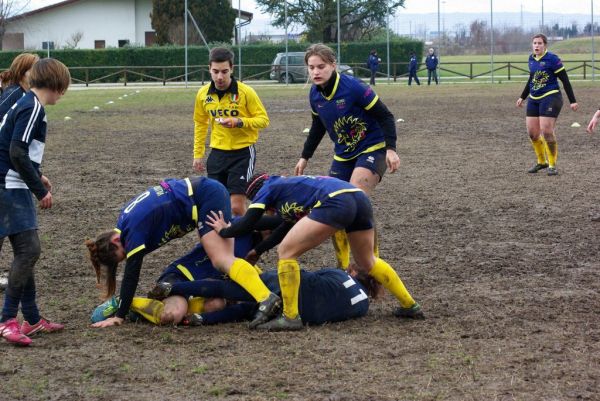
x=386 y=276
x=195 y=305
x=246 y=275
x=552 y=150
x=376 y=244
x=150 y=309
x=342 y=249
x=540 y=149
x=288 y=272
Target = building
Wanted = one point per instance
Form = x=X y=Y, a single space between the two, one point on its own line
x=85 y=24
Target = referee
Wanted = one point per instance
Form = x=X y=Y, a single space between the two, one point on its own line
x=234 y=113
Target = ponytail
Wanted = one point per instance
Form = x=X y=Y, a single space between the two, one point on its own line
x=102 y=254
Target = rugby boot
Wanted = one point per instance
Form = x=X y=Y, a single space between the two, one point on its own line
x=160 y=291
x=11 y=332
x=267 y=309
x=537 y=167
x=552 y=171
x=43 y=326
x=282 y=323
x=195 y=319
x=414 y=312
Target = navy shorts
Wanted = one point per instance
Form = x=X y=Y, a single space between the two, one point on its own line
x=349 y=211
x=232 y=168
x=548 y=106
x=374 y=161
x=210 y=195
x=17 y=212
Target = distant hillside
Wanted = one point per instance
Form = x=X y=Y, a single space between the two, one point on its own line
x=576 y=46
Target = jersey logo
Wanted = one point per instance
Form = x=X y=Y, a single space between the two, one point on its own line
x=371 y=159
x=243 y=178
x=350 y=131
x=235 y=98
x=540 y=79
x=292 y=211
x=340 y=104
x=209 y=99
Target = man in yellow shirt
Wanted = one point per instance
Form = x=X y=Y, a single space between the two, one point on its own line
x=234 y=113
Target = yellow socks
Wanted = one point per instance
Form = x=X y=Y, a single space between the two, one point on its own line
x=195 y=305
x=384 y=274
x=246 y=275
x=150 y=309
x=342 y=249
x=288 y=272
x=552 y=150
x=540 y=149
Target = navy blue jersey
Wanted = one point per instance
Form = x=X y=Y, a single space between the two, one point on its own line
x=9 y=97
x=158 y=215
x=294 y=197
x=25 y=122
x=544 y=69
x=344 y=115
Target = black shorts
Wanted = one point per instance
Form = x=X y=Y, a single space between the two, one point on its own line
x=548 y=106
x=232 y=168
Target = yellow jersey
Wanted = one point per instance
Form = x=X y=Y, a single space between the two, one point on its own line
x=239 y=101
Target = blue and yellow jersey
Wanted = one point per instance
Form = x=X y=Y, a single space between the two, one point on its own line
x=239 y=101
x=157 y=216
x=26 y=123
x=294 y=197
x=343 y=113
x=544 y=69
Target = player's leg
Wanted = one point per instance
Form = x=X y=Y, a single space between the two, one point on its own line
x=240 y=169
x=550 y=110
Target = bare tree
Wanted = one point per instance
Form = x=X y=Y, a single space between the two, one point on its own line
x=8 y=9
x=74 y=40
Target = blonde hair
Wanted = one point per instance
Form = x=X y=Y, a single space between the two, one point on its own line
x=321 y=50
x=18 y=68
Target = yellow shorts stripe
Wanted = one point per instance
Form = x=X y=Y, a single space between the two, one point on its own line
x=257 y=206
x=185 y=272
x=373 y=148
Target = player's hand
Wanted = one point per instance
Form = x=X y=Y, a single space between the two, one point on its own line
x=198 y=165
x=593 y=122
x=46 y=182
x=216 y=221
x=392 y=160
x=46 y=201
x=300 y=166
x=229 y=122
x=519 y=102
x=574 y=106
x=252 y=257
x=111 y=321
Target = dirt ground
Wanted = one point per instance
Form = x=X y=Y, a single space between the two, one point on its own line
x=505 y=263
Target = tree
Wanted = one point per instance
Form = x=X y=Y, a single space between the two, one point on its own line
x=359 y=19
x=215 y=18
x=9 y=9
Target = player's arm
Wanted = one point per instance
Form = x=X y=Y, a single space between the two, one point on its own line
x=268 y=222
x=242 y=226
x=385 y=118
x=526 y=89
x=315 y=135
x=258 y=118
x=564 y=78
x=274 y=238
x=19 y=157
x=201 y=120
x=131 y=277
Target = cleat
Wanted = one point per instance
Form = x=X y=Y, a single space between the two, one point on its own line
x=134 y=317
x=282 y=323
x=11 y=332
x=160 y=291
x=43 y=326
x=267 y=309
x=537 y=167
x=195 y=319
x=414 y=312
x=105 y=310
x=552 y=171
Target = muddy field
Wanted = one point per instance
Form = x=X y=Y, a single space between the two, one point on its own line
x=505 y=263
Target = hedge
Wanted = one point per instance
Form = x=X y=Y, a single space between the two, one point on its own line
x=256 y=59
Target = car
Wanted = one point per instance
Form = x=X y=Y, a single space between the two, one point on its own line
x=296 y=69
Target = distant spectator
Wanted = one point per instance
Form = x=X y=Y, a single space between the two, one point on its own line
x=373 y=64
x=431 y=61
x=412 y=69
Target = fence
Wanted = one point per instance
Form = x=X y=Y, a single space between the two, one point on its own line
x=454 y=71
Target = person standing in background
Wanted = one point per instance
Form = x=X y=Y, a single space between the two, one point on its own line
x=431 y=61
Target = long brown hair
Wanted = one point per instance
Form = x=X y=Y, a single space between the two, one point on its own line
x=103 y=255
x=18 y=68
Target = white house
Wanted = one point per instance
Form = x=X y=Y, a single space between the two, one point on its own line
x=92 y=24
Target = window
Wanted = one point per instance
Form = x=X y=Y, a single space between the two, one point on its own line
x=123 y=42
x=99 y=44
x=48 y=45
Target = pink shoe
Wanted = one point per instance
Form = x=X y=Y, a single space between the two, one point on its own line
x=43 y=326
x=11 y=332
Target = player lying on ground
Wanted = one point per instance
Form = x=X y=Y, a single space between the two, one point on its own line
x=162 y=213
x=313 y=208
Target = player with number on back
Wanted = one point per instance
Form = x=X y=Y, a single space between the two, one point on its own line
x=162 y=213
x=313 y=208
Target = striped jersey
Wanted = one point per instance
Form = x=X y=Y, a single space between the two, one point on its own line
x=294 y=197
x=9 y=97
x=344 y=115
x=25 y=122
x=544 y=69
